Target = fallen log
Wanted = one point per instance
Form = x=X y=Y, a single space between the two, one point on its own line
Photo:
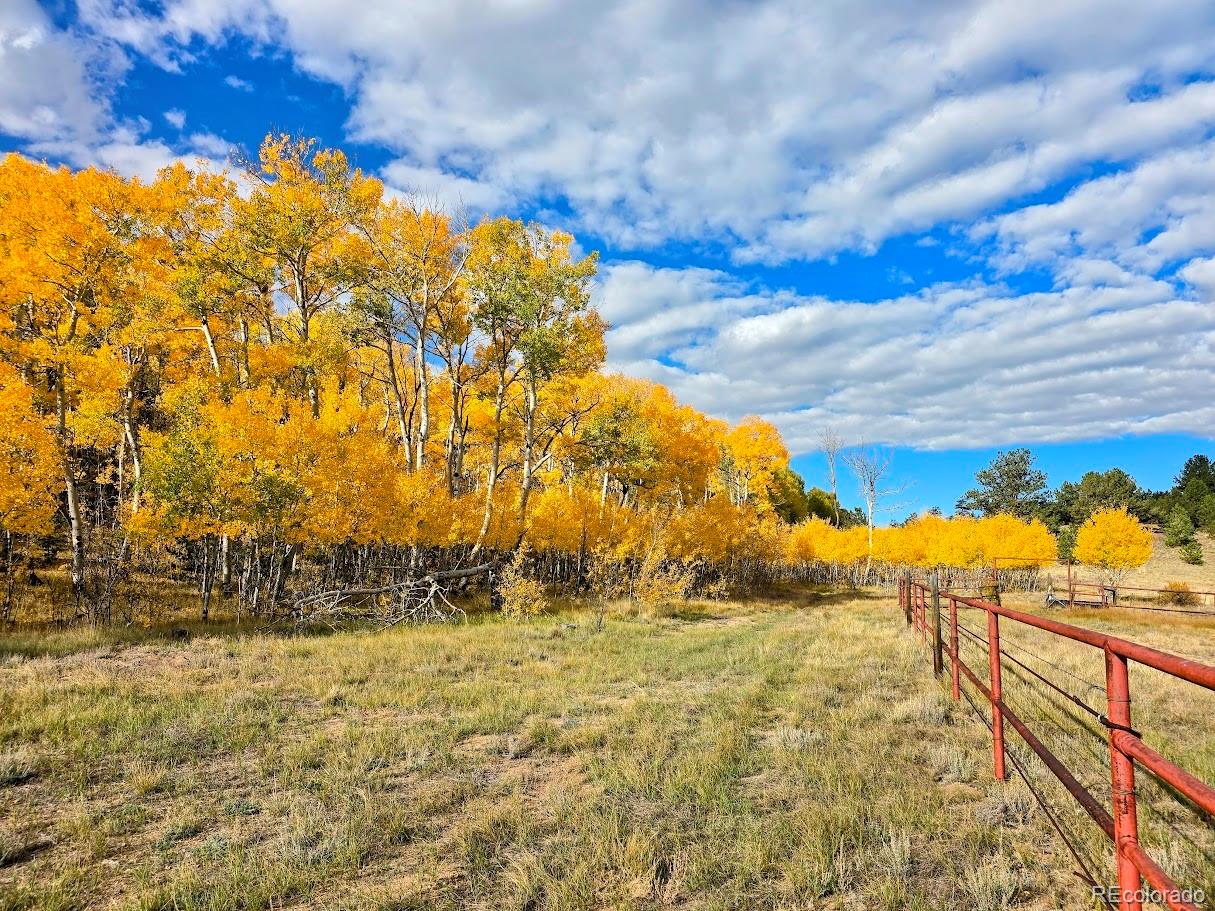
x=421 y=600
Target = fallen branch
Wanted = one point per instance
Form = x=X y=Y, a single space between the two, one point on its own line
x=421 y=600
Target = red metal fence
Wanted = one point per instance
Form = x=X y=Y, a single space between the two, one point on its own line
x=922 y=606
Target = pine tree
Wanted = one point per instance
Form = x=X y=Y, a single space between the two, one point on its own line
x=1191 y=552
x=1179 y=530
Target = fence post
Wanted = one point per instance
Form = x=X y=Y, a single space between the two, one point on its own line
x=997 y=692
x=923 y=603
x=905 y=589
x=1122 y=782
x=937 y=663
x=953 y=648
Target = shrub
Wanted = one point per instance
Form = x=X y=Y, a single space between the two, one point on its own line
x=1191 y=552
x=660 y=584
x=993 y=886
x=521 y=597
x=1178 y=593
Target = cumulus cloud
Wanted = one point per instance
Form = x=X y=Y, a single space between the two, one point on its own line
x=1199 y=274
x=45 y=90
x=448 y=191
x=776 y=131
x=1161 y=211
x=54 y=101
x=787 y=130
x=949 y=366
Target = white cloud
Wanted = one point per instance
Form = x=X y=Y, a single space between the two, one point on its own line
x=125 y=149
x=448 y=191
x=947 y=367
x=45 y=91
x=241 y=85
x=782 y=129
x=654 y=310
x=209 y=145
x=1170 y=196
x=1200 y=275
x=54 y=100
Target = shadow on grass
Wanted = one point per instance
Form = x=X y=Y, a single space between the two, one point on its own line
x=778 y=598
x=56 y=642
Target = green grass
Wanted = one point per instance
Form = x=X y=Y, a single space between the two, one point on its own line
x=789 y=753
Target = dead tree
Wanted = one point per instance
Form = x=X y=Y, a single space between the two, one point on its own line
x=831 y=443
x=422 y=600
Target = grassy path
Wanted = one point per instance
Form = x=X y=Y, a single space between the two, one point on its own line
x=781 y=756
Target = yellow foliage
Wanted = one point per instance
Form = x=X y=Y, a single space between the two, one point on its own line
x=960 y=542
x=521 y=596
x=1113 y=540
x=29 y=460
x=306 y=362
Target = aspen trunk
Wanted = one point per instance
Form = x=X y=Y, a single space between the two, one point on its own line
x=494 y=459
x=529 y=433
x=131 y=432
x=71 y=489
x=394 y=383
x=211 y=349
x=243 y=376
x=422 y=380
x=455 y=433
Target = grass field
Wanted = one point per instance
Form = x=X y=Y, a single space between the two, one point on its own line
x=792 y=752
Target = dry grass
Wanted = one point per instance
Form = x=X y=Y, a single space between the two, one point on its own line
x=789 y=752
x=779 y=754
x=1174 y=717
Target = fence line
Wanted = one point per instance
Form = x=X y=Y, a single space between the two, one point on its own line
x=1104 y=594
x=921 y=605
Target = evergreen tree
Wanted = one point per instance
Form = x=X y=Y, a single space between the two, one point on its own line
x=1066 y=540
x=1179 y=530
x=1010 y=485
x=1205 y=519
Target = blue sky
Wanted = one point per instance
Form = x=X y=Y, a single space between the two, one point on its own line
x=945 y=227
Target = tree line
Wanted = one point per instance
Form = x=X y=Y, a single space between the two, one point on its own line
x=1013 y=485
x=281 y=377
x=277 y=382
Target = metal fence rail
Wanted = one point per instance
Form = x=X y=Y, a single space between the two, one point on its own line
x=922 y=607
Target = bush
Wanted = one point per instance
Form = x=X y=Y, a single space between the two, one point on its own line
x=660 y=584
x=521 y=597
x=1178 y=593
x=1191 y=552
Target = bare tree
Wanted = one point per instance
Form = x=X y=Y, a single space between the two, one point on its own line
x=831 y=443
x=871 y=468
